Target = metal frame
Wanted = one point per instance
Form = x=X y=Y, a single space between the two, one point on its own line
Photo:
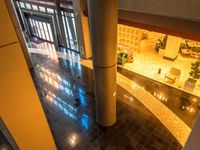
x=65 y=18
x=70 y=42
x=42 y=18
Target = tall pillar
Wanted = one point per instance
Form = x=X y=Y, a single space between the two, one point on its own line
x=103 y=29
x=193 y=142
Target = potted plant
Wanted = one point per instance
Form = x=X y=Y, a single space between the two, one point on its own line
x=194 y=76
x=161 y=43
x=195 y=71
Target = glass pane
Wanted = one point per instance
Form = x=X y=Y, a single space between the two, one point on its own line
x=35 y=7
x=35 y=28
x=72 y=15
x=46 y=31
x=73 y=22
x=65 y=29
x=42 y=31
x=17 y=4
x=75 y=38
x=49 y=10
x=32 y=26
x=28 y=6
x=68 y=28
x=42 y=9
x=38 y=29
x=50 y=32
x=31 y=23
x=22 y=5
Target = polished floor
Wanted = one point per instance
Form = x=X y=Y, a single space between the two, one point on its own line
x=175 y=109
x=66 y=92
x=184 y=105
x=148 y=61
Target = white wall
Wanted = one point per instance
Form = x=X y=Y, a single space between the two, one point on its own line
x=189 y=9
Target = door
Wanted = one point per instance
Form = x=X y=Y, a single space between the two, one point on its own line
x=41 y=28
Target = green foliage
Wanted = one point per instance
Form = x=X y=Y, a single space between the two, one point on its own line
x=195 y=70
x=164 y=42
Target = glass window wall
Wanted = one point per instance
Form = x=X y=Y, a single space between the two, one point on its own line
x=44 y=30
x=41 y=29
x=70 y=31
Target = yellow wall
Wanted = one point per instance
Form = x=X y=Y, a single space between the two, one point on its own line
x=129 y=36
x=20 y=107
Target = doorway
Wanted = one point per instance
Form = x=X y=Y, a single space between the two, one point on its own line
x=41 y=28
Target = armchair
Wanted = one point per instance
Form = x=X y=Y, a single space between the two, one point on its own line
x=173 y=74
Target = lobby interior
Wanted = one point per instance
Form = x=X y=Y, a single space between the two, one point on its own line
x=80 y=74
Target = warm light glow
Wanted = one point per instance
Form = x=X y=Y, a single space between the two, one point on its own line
x=133 y=86
x=160 y=97
x=56 y=81
x=194 y=99
x=192 y=110
x=66 y=108
x=128 y=97
x=73 y=139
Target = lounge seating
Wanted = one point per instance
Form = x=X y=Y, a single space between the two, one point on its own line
x=173 y=74
x=127 y=51
x=122 y=58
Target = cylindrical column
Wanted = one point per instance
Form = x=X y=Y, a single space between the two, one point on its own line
x=103 y=29
x=193 y=140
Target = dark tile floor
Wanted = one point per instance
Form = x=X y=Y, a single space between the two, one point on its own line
x=66 y=92
x=184 y=105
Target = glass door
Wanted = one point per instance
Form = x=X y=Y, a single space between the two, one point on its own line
x=70 y=31
x=41 y=29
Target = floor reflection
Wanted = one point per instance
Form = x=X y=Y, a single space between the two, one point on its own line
x=39 y=46
x=66 y=92
x=184 y=105
x=66 y=105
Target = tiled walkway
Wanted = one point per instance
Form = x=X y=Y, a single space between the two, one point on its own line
x=66 y=92
x=170 y=120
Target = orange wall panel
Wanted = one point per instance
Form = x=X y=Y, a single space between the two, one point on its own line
x=20 y=107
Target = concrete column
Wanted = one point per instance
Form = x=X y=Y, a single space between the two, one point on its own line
x=103 y=29
x=193 y=142
x=18 y=30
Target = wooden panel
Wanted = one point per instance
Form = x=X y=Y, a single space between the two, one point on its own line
x=172 y=26
x=7 y=32
x=20 y=107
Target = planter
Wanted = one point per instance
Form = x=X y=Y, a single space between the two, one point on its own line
x=190 y=84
